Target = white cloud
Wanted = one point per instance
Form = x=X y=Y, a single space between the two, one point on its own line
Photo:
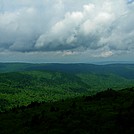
x=106 y=54
x=93 y=27
x=63 y=25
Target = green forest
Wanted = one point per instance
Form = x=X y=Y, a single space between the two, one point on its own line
x=66 y=98
x=107 y=112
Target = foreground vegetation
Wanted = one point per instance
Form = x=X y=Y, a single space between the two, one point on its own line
x=107 y=112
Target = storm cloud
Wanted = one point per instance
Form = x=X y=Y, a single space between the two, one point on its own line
x=102 y=28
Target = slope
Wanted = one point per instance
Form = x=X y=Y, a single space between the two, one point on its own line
x=22 y=88
x=107 y=112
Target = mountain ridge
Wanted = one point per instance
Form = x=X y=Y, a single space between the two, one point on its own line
x=125 y=70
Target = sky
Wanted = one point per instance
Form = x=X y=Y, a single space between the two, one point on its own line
x=67 y=31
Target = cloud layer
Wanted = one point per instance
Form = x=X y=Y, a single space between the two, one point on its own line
x=103 y=28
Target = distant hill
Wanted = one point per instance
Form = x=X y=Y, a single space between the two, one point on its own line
x=123 y=70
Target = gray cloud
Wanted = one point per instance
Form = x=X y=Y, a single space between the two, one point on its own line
x=93 y=27
x=105 y=27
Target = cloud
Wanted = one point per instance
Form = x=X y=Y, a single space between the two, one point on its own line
x=63 y=26
x=94 y=27
x=107 y=54
x=130 y=1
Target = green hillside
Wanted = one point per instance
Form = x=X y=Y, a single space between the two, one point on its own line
x=22 y=88
x=107 y=112
x=66 y=98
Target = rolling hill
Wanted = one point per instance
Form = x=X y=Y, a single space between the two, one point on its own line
x=66 y=98
x=23 y=83
x=124 y=70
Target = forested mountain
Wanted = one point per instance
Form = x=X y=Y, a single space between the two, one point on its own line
x=107 y=112
x=66 y=98
x=124 y=70
x=21 y=83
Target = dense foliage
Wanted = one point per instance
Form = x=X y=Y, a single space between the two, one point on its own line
x=66 y=98
x=22 y=88
x=107 y=112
